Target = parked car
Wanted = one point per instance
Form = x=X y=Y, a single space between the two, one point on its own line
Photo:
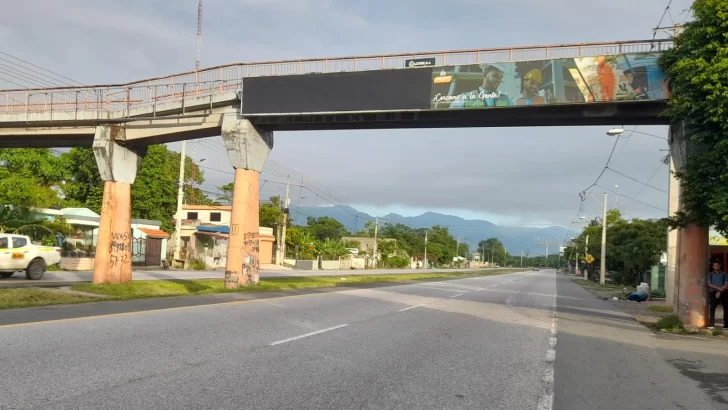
x=17 y=253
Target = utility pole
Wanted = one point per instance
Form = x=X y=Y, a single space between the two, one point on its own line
x=603 y=259
x=521 y=257
x=285 y=218
x=376 y=232
x=180 y=198
x=457 y=248
x=425 y=266
x=586 y=252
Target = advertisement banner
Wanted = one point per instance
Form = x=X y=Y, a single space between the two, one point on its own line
x=626 y=77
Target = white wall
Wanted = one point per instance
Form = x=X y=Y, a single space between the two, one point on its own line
x=331 y=265
x=203 y=215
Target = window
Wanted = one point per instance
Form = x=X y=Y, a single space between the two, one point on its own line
x=192 y=215
x=19 y=242
x=215 y=217
x=3 y=242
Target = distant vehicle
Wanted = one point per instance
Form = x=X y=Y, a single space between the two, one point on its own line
x=17 y=253
x=535 y=269
x=497 y=266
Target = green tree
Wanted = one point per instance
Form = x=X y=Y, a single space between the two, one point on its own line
x=441 y=245
x=325 y=227
x=698 y=71
x=154 y=192
x=633 y=247
x=494 y=250
x=30 y=177
x=270 y=213
x=368 y=231
x=298 y=239
x=226 y=193
x=330 y=249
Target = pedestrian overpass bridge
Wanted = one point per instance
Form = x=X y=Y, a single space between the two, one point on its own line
x=559 y=85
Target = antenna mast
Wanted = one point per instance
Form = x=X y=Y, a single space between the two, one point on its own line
x=199 y=35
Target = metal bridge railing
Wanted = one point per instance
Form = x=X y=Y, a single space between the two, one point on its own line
x=120 y=99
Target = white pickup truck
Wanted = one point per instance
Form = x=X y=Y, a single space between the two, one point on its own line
x=17 y=253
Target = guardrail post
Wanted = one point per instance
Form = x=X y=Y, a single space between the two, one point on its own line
x=128 y=102
x=154 y=103
x=184 y=87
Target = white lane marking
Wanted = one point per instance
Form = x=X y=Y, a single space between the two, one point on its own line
x=546 y=401
x=411 y=307
x=454 y=296
x=445 y=289
x=290 y=339
x=455 y=285
x=479 y=289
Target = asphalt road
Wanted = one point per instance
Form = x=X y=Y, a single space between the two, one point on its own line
x=531 y=340
x=269 y=271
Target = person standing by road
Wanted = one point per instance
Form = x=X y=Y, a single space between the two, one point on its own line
x=718 y=286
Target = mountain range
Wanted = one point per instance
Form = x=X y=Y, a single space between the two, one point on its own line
x=470 y=231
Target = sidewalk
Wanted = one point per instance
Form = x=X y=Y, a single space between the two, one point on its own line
x=649 y=313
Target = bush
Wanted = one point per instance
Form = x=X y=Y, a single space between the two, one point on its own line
x=397 y=262
x=670 y=323
x=657 y=293
x=197 y=264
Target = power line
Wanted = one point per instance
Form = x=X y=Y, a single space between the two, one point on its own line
x=41 y=68
x=616 y=141
x=659 y=167
x=646 y=184
x=633 y=199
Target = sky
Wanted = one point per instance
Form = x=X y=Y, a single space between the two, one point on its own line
x=511 y=176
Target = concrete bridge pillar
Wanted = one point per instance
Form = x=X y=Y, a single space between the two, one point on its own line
x=690 y=246
x=248 y=148
x=118 y=167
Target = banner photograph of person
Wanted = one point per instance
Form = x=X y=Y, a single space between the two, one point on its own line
x=556 y=81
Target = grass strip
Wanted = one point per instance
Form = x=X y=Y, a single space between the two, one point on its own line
x=30 y=297
x=165 y=288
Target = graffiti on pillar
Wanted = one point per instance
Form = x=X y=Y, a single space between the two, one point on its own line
x=251 y=264
x=119 y=248
x=251 y=242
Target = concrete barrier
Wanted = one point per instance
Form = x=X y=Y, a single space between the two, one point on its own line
x=83 y=264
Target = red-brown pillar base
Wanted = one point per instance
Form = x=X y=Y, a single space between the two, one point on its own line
x=112 y=263
x=243 y=265
x=691 y=289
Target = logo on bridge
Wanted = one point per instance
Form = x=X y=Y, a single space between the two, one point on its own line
x=419 y=62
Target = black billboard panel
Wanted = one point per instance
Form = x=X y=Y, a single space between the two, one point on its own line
x=385 y=90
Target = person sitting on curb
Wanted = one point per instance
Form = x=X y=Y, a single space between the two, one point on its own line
x=717 y=286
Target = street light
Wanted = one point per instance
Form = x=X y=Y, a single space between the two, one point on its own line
x=617 y=132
